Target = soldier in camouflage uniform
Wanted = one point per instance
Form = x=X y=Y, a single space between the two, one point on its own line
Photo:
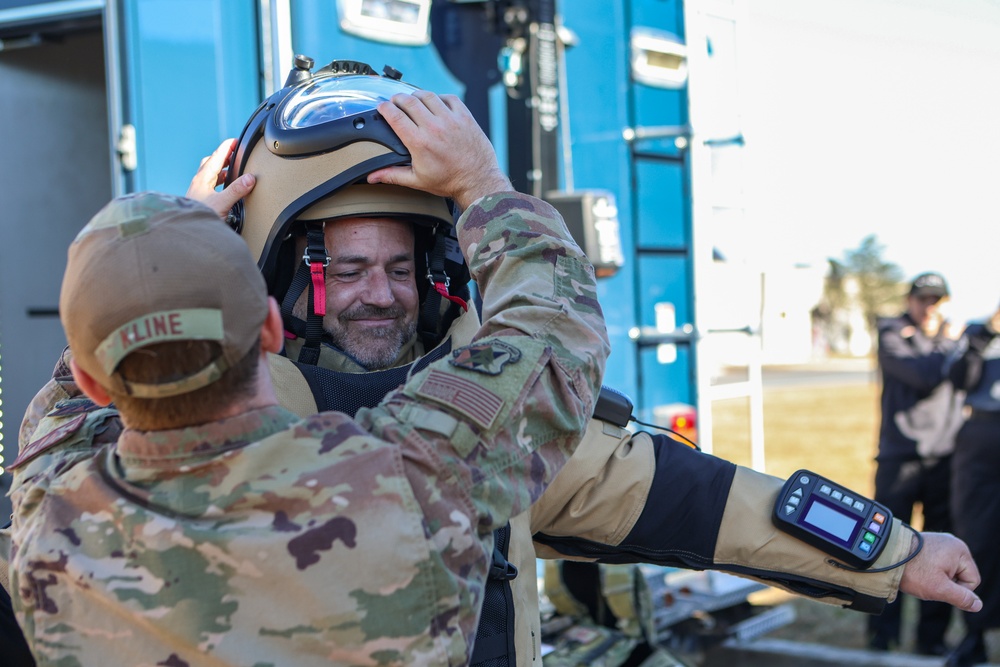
x=192 y=543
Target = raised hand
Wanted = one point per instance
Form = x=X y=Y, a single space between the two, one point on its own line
x=211 y=173
x=450 y=155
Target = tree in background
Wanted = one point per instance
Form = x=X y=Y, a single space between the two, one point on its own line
x=880 y=285
x=859 y=289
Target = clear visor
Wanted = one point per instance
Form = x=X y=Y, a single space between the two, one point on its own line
x=335 y=97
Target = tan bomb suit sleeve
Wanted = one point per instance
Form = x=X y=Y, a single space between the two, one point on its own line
x=646 y=498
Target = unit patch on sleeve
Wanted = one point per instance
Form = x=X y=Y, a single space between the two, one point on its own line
x=487 y=357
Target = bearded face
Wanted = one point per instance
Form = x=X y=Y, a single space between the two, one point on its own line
x=371 y=292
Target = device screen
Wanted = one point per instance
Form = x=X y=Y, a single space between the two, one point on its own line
x=832 y=522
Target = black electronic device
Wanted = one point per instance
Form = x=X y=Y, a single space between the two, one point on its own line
x=613 y=406
x=832 y=518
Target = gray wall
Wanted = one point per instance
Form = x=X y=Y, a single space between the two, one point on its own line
x=53 y=105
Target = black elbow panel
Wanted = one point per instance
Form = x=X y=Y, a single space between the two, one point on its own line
x=679 y=524
x=685 y=504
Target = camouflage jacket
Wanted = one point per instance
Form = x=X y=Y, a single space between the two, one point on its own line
x=214 y=545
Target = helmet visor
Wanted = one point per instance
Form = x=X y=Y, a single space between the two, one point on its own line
x=332 y=98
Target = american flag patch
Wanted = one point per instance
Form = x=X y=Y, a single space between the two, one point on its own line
x=469 y=398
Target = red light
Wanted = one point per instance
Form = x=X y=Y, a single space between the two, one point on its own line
x=684 y=421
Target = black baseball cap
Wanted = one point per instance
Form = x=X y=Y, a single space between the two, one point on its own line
x=929 y=284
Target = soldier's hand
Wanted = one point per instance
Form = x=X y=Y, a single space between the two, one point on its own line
x=943 y=571
x=211 y=173
x=449 y=154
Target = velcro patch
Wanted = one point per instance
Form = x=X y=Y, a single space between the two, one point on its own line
x=465 y=396
x=488 y=358
x=72 y=406
x=53 y=437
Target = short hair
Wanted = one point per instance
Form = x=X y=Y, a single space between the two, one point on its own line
x=164 y=362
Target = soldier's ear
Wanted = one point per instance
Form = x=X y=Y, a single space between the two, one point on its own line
x=89 y=386
x=272 y=333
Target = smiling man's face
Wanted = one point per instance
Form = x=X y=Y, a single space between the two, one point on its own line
x=371 y=291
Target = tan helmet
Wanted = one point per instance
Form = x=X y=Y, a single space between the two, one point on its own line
x=311 y=146
x=318 y=134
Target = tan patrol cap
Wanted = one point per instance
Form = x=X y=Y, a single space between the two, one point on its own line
x=152 y=268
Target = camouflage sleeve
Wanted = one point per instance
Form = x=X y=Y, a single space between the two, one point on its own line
x=5 y=558
x=501 y=235
x=61 y=387
x=506 y=412
x=60 y=420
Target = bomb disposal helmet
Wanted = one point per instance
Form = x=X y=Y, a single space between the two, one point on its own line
x=318 y=134
x=311 y=146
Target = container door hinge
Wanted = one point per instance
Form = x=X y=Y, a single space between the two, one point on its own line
x=126 y=148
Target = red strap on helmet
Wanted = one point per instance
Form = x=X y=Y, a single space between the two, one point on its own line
x=442 y=289
x=317 y=270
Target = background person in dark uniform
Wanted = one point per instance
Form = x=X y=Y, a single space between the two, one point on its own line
x=976 y=477
x=920 y=416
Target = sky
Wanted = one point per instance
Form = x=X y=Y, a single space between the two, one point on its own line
x=875 y=117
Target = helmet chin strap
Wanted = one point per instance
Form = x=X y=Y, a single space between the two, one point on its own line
x=311 y=272
x=438 y=278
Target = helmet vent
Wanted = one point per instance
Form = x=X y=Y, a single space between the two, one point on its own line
x=350 y=67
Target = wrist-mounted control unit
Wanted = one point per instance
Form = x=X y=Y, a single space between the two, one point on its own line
x=832 y=518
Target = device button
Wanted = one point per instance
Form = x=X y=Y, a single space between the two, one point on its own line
x=797 y=492
x=874 y=527
x=793 y=500
x=825 y=490
x=789 y=509
x=847 y=500
x=858 y=505
x=878 y=518
x=836 y=495
x=864 y=546
x=869 y=538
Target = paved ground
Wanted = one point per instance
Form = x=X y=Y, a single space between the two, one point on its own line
x=766 y=652
x=834 y=371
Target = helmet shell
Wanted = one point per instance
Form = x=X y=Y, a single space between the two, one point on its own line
x=308 y=141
